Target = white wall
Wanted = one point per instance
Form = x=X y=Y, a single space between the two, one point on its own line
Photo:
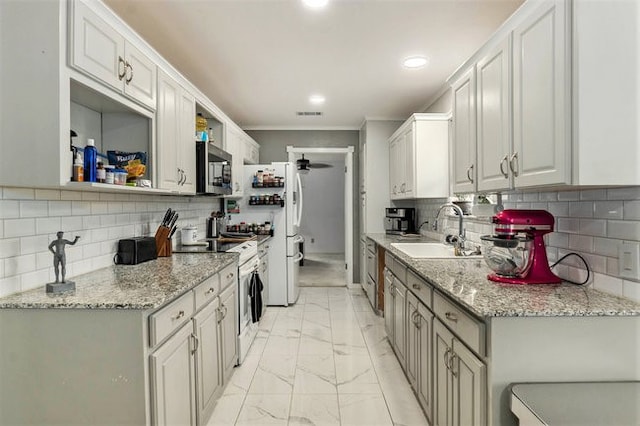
x=323 y=214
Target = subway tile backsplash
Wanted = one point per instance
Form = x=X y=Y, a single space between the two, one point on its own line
x=592 y=223
x=30 y=218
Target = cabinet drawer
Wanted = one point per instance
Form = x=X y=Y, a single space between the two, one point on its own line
x=168 y=319
x=470 y=330
x=207 y=290
x=388 y=260
x=372 y=266
x=420 y=288
x=228 y=276
x=371 y=245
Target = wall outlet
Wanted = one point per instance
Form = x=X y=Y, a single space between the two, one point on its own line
x=313 y=240
x=629 y=260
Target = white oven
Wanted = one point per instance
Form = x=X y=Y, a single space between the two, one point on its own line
x=248 y=265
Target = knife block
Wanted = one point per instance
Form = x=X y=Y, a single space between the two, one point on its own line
x=163 y=242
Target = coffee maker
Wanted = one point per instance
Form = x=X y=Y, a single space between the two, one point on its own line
x=400 y=220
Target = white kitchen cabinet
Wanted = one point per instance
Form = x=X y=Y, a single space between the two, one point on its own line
x=541 y=98
x=412 y=355
x=546 y=92
x=400 y=321
x=250 y=150
x=424 y=348
x=175 y=136
x=463 y=150
x=172 y=371
x=102 y=52
x=460 y=392
x=229 y=329
x=234 y=145
x=419 y=158
x=389 y=305
x=209 y=368
x=493 y=107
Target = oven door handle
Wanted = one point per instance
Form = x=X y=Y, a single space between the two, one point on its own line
x=251 y=266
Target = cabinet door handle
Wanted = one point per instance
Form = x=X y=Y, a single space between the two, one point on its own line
x=123 y=66
x=230 y=275
x=128 y=65
x=469 y=170
x=446 y=358
x=452 y=360
x=218 y=315
x=514 y=161
x=196 y=343
x=504 y=160
x=416 y=286
x=394 y=189
x=211 y=290
x=180 y=315
x=402 y=188
x=451 y=316
x=224 y=314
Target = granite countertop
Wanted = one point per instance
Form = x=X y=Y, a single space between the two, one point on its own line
x=465 y=281
x=263 y=239
x=148 y=285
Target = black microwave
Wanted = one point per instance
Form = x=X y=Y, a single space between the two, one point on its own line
x=213 y=170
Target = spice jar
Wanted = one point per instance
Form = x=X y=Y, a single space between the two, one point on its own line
x=101 y=173
x=109 y=174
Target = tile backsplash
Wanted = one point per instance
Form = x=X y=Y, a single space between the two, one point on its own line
x=30 y=218
x=592 y=223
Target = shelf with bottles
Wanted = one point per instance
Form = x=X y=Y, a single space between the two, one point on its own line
x=251 y=228
x=266 y=200
x=270 y=185
x=267 y=179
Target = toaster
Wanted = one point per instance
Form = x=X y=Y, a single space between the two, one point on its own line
x=132 y=251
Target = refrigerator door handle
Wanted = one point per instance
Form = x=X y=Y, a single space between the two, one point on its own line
x=298 y=239
x=299 y=218
x=298 y=258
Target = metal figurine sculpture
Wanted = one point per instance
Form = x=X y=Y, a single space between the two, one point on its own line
x=57 y=247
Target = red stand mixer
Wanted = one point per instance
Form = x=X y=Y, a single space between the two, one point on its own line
x=516 y=253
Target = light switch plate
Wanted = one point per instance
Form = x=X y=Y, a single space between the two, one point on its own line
x=629 y=260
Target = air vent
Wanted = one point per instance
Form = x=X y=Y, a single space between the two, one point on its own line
x=309 y=113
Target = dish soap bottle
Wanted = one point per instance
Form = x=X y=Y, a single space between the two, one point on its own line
x=90 y=158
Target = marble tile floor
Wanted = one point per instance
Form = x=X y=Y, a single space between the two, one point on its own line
x=323 y=361
x=322 y=270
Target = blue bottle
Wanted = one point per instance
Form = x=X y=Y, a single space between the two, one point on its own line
x=90 y=161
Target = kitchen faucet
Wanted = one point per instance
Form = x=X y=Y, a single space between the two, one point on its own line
x=458 y=243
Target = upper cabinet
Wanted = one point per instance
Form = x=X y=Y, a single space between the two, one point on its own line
x=250 y=150
x=100 y=51
x=419 y=158
x=539 y=114
x=464 y=133
x=176 y=136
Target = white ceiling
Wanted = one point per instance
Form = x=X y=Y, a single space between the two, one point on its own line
x=260 y=60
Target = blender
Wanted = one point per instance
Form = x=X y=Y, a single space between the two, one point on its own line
x=516 y=252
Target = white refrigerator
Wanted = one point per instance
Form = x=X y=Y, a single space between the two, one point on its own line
x=284 y=252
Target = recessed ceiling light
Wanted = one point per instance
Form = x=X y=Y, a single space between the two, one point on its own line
x=316 y=99
x=415 y=62
x=315 y=4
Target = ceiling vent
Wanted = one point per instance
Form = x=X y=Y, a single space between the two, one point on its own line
x=309 y=114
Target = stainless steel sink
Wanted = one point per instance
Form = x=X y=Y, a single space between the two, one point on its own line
x=429 y=251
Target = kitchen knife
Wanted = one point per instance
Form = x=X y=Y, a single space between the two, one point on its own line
x=173 y=220
x=173 y=231
x=167 y=217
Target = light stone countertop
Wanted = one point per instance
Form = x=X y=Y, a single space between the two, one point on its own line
x=148 y=285
x=465 y=281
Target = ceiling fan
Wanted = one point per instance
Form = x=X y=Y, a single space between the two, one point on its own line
x=305 y=165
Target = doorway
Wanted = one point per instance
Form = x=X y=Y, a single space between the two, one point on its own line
x=327 y=215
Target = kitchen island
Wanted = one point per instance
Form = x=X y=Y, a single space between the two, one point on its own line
x=142 y=344
x=483 y=336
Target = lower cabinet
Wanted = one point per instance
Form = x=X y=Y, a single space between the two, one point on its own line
x=460 y=395
x=189 y=370
x=388 y=304
x=419 y=356
x=399 y=320
x=173 y=380
x=209 y=368
x=229 y=330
